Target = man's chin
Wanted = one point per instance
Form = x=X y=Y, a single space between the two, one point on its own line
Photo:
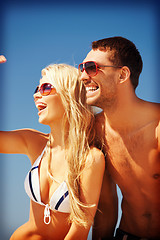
x=91 y=101
x=92 y=97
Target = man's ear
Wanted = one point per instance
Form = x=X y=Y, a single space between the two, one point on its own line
x=124 y=74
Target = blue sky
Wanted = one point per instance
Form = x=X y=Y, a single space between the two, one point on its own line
x=35 y=35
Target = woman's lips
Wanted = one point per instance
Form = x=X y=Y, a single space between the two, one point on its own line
x=40 y=106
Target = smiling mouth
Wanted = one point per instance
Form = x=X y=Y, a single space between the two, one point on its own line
x=91 y=88
x=40 y=107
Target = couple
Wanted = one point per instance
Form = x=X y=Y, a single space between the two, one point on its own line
x=65 y=182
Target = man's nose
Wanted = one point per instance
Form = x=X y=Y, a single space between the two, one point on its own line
x=85 y=77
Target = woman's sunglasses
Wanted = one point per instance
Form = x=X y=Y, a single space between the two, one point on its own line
x=91 y=68
x=45 y=89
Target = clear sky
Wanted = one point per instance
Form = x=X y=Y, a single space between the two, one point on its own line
x=35 y=35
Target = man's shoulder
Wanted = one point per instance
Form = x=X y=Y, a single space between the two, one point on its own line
x=153 y=119
x=158 y=135
x=153 y=106
x=150 y=111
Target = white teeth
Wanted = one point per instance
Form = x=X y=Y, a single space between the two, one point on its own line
x=91 y=88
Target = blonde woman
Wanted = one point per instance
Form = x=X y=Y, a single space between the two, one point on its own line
x=65 y=179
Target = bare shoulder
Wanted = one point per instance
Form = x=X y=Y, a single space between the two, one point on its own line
x=96 y=157
x=33 y=132
x=30 y=135
x=157 y=130
x=156 y=118
x=35 y=141
x=151 y=116
x=40 y=136
x=22 y=141
x=156 y=107
x=158 y=135
x=148 y=114
x=153 y=109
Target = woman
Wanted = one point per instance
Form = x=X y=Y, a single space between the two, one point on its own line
x=65 y=180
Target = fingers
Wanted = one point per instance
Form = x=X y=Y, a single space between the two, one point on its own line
x=2 y=59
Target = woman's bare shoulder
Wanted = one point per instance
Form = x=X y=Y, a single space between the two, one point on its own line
x=96 y=157
x=33 y=134
x=36 y=141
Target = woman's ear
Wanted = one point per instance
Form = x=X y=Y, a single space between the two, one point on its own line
x=124 y=74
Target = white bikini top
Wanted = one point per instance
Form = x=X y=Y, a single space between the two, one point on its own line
x=60 y=198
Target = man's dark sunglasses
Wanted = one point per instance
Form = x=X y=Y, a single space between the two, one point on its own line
x=91 y=67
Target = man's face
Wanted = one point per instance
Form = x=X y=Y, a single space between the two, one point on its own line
x=101 y=88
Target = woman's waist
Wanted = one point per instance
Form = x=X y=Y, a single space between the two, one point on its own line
x=38 y=230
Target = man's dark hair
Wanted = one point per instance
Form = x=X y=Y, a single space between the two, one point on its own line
x=124 y=53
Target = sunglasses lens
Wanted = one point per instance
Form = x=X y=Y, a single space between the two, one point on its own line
x=81 y=67
x=45 y=89
x=90 y=68
x=36 y=90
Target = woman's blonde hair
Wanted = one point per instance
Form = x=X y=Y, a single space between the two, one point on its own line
x=78 y=134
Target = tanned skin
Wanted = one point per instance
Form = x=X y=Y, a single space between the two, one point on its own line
x=130 y=131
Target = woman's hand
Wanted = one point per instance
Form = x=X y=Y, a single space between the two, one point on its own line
x=2 y=59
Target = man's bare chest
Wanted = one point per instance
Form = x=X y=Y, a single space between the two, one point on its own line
x=132 y=153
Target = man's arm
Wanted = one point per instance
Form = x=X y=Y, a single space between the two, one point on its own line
x=107 y=213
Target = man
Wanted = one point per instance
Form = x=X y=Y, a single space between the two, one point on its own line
x=129 y=131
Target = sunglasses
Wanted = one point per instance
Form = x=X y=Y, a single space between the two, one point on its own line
x=91 y=67
x=45 y=89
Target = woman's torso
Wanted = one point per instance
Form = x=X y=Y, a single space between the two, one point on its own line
x=36 y=229
x=44 y=191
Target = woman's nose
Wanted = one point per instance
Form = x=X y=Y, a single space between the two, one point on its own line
x=37 y=95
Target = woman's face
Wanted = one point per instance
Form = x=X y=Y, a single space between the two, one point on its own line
x=50 y=107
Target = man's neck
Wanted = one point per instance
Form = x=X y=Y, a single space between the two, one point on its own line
x=123 y=113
